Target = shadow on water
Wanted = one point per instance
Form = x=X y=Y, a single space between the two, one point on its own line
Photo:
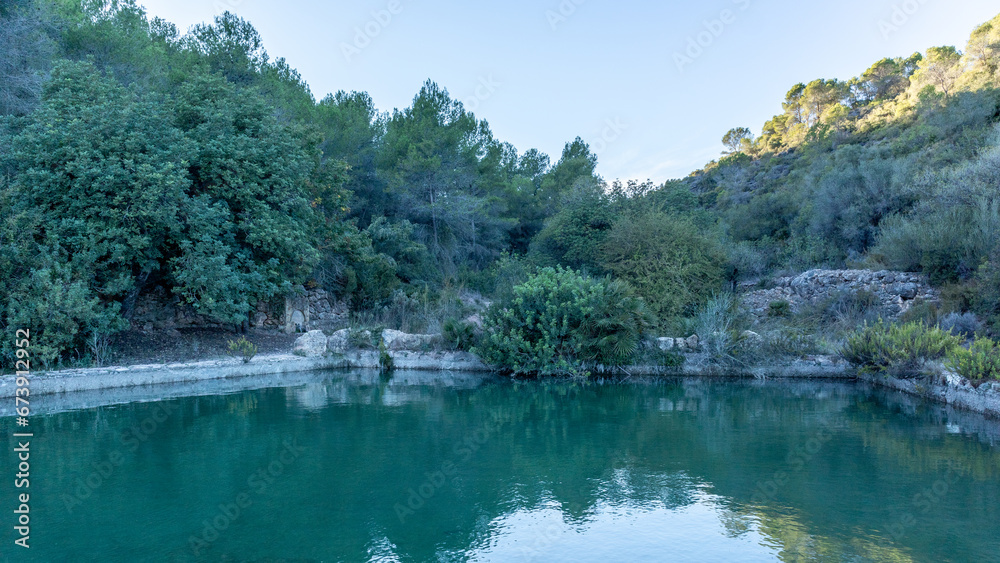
x=427 y=467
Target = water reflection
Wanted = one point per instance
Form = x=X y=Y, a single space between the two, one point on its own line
x=428 y=467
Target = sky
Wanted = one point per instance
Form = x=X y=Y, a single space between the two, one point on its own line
x=652 y=86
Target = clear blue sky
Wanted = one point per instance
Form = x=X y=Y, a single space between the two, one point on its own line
x=547 y=71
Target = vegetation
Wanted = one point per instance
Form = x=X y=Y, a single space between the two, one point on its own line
x=979 y=362
x=902 y=349
x=242 y=348
x=134 y=158
x=560 y=322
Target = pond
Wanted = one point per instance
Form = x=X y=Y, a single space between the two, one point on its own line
x=460 y=467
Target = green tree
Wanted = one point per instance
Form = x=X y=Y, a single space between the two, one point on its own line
x=97 y=192
x=249 y=228
x=431 y=160
x=671 y=265
x=737 y=140
x=25 y=53
x=573 y=237
x=940 y=69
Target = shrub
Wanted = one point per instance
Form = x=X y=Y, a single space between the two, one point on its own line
x=242 y=348
x=364 y=338
x=459 y=335
x=980 y=362
x=722 y=326
x=385 y=363
x=926 y=312
x=789 y=342
x=559 y=322
x=987 y=298
x=671 y=265
x=966 y=325
x=779 y=309
x=900 y=348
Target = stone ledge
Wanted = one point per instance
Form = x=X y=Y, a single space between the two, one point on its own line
x=90 y=379
x=946 y=388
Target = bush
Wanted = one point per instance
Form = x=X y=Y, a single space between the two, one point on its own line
x=844 y=311
x=562 y=323
x=789 y=343
x=721 y=327
x=900 y=348
x=242 y=348
x=780 y=309
x=966 y=325
x=671 y=265
x=980 y=362
x=459 y=335
x=987 y=297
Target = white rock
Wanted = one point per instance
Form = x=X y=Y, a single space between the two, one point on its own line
x=397 y=340
x=338 y=343
x=311 y=344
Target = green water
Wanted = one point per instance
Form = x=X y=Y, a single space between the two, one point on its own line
x=354 y=467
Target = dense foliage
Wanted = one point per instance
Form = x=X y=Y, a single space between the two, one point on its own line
x=560 y=322
x=978 y=362
x=900 y=348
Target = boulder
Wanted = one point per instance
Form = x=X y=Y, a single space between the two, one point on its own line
x=691 y=342
x=666 y=344
x=397 y=340
x=311 y=344
x=339 y=342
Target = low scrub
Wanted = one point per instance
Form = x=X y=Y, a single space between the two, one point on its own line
x=561 y=323
x=980 y=362
x=898 y=348
x=242 y=349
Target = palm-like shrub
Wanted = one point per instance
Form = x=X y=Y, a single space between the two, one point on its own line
x=559 y=322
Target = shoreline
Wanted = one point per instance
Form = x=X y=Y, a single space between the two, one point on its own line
x=279 y=368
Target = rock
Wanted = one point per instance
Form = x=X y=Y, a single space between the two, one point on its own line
x=666 y=344
x=339 y=342
x=397 y=340
x=894 y=291
x=692 y=342
x=752 y=337
x=311 y=344
x=259 y=319
x=909 y=291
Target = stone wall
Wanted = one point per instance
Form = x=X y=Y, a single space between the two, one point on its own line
x=302 y=311
x=896 y=291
